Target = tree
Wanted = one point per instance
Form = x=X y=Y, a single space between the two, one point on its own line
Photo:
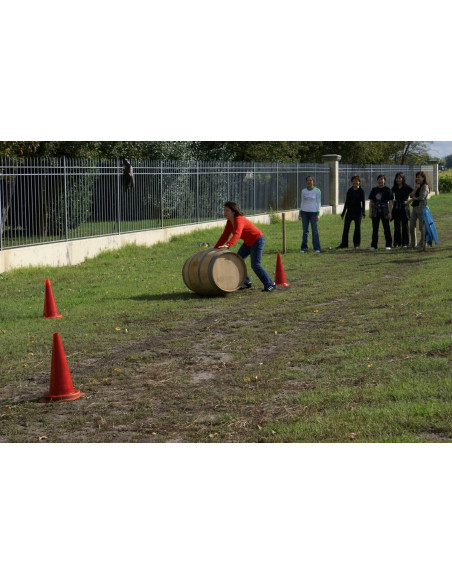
x=412 y=153
x=448 y=161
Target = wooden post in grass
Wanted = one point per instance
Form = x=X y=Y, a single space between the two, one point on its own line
x=284 y=248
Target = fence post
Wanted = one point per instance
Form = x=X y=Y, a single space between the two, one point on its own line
x=277 y=187
x=298 y=196
x=435 y=184
x=254 y=188
x=65 y=199
x=197 y=192
x=333 y=162
x=118 y=190
x=1 y=212
x=161 y=194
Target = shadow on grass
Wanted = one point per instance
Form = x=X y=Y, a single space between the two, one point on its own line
x=172 y=296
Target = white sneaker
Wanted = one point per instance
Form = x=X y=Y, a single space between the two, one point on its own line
x=387 y=248
x=373 y=248
x=317 y=251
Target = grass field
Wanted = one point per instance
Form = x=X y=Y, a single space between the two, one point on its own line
x=357 y=349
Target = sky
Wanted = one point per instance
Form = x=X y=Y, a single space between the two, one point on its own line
x=440 y=149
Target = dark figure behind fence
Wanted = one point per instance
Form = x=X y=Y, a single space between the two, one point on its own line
x=129 y=180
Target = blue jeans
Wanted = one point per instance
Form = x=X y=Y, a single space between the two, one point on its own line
x=256 y=256
x=306 y=218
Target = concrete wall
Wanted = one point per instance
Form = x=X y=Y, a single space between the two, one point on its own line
x=69 y=253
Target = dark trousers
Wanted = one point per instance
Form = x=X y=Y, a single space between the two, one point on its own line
x=357 y=232
x=401 y=234
x=387 y=231
x=256 y=251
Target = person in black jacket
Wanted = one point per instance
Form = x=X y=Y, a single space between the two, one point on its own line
x=401 y=210
x=380 y=209
x=354 y=210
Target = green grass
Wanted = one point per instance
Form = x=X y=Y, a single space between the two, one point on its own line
x=356 y=349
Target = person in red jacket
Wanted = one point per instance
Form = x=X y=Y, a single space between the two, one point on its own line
x=253 y=243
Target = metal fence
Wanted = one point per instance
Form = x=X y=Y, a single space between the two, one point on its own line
x=48 y=200
x=369 y=175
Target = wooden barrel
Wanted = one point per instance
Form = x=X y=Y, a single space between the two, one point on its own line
x=214 y=271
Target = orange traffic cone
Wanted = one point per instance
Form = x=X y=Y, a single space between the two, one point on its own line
x=280 y=276
x=50 y=309
x=61 y=388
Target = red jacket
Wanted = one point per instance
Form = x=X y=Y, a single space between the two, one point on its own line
x=243 y=229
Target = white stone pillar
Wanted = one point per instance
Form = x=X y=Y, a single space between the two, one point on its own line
x=333 y=162
x=434 y=178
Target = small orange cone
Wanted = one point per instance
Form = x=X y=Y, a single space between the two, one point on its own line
x=280 y=276
x=50 y=309
x=61 y=388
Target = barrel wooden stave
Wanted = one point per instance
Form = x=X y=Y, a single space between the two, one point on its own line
x=214 y=271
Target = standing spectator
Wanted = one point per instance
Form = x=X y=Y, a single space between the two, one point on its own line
x=380 y=209
x=354 y=210
x=311 y=201
x=419 y=202
x=401 y=210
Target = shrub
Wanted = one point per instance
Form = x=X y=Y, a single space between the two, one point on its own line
x=275 y=219
x=445 y=182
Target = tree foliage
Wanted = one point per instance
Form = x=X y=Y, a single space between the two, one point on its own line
x=357 y=152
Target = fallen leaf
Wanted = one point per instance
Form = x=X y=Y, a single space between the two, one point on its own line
x=315 y=311
x=41 y=438
x=246 y=379
x=117 y=328
x=353 y=435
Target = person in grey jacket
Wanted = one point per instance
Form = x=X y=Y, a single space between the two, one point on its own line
x=419 y=202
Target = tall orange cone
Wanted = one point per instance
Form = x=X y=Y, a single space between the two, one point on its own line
x=50 y=309
x=61 y=388
x=280 y=276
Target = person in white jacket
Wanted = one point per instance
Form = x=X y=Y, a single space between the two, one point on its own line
x=311 y=201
